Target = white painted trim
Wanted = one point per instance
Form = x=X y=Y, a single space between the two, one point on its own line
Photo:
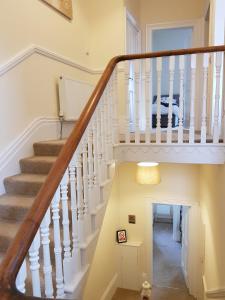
x=16 y=144
x=197 y=25
x=213 y=293
x=35 y=49
x=111 y=288
x=42 y=128
x=193 y=256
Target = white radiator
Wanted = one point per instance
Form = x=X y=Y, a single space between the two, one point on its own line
x=73 y=95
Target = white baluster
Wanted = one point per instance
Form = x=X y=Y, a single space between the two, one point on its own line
x=110 y=119
x=74 y=210
x=159 y=80
x=204 y=98
x=115 y=107
x=99 y=142
x=80 y=200
x=94 y=168
x=21 y=277
x=148 y=101
x=47 y=267
x=107 y=123
x=86 y=211
x=193 y=95
x=216 y=127
x=181 y=99
x=170 y=112
x=137 y=74
x=35 y=266
x=103 y=140
x=57 y=245
x=127 y=120
x=65 y=216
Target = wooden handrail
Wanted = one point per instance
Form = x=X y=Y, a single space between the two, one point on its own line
x=20 y=245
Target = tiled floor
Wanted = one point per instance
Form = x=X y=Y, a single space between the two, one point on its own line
x=168 y=283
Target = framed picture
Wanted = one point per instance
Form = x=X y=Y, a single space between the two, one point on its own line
x=121 y=236
x=65 y=7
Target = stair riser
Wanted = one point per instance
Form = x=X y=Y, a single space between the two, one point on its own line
x=12 y=213
x=47 y=150
x=4 y=243
x=35 y=168
x=22 y=188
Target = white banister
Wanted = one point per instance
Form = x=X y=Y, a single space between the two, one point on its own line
x=21 y=277
x=127 y=102
x=193 y=97
x=158 y=117
x=148 y=100
x=204 y=97
x=115 y=107
x=216 y=125
x=171 y=87
x=35 y=266
x=137 y=74
x=181 y=99
x=57 y=246
x=47 y=265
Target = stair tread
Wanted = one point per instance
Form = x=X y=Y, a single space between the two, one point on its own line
x=16 y=200
x=36 y=158
x=12 y=228
x=51 y=142
x=29 y=178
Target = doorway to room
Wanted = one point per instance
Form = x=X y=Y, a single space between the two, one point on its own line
x=170 y=249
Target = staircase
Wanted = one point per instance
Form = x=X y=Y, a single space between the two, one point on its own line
x=21 y=189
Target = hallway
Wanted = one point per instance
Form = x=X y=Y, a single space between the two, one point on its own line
x=168 y=276
x=168 y=281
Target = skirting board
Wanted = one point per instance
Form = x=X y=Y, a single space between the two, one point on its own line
x=42 y=128
x=213 y=293
x=111 y=288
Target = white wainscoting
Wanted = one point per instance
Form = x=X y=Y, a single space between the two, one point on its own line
x=39 y=129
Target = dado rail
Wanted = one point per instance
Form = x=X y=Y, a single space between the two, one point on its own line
x=172 y=97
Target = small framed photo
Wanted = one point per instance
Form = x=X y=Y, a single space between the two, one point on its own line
x=121 y=236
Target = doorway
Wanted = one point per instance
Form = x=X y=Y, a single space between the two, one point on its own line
x=170 y=249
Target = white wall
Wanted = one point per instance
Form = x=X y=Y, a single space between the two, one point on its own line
x=103 y=276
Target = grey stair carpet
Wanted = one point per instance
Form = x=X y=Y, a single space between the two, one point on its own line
x=22 y=188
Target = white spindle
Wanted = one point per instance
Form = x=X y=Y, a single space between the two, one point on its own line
x=193 y=94
x=159 y=80
x=65 y=216
x=115 y=108
x=86 y=210
x=94 y=168
x=47 y=266
x=99 y=143
x=137 y=74
x=102 y=136
x=107 y=124
x=81 y=228
x=170 y=110
x=181 y=99
x=35 y=266
x=57 y=246
x=110 y=119
x=204 y=97
x=74 y=210
x=148 y=101
x=127 y=102
x=216 y=127
x=21 y=277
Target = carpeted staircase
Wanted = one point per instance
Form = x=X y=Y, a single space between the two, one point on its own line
x=21 y=189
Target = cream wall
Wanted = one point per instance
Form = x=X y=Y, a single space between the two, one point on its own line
x=212 y=191
x=107 y=23
x=133 y=7
x=104 y=268
x=33 y=22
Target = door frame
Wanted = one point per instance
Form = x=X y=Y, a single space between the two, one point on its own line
x=195 y=247
x=130 y=18
x=197 y=25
